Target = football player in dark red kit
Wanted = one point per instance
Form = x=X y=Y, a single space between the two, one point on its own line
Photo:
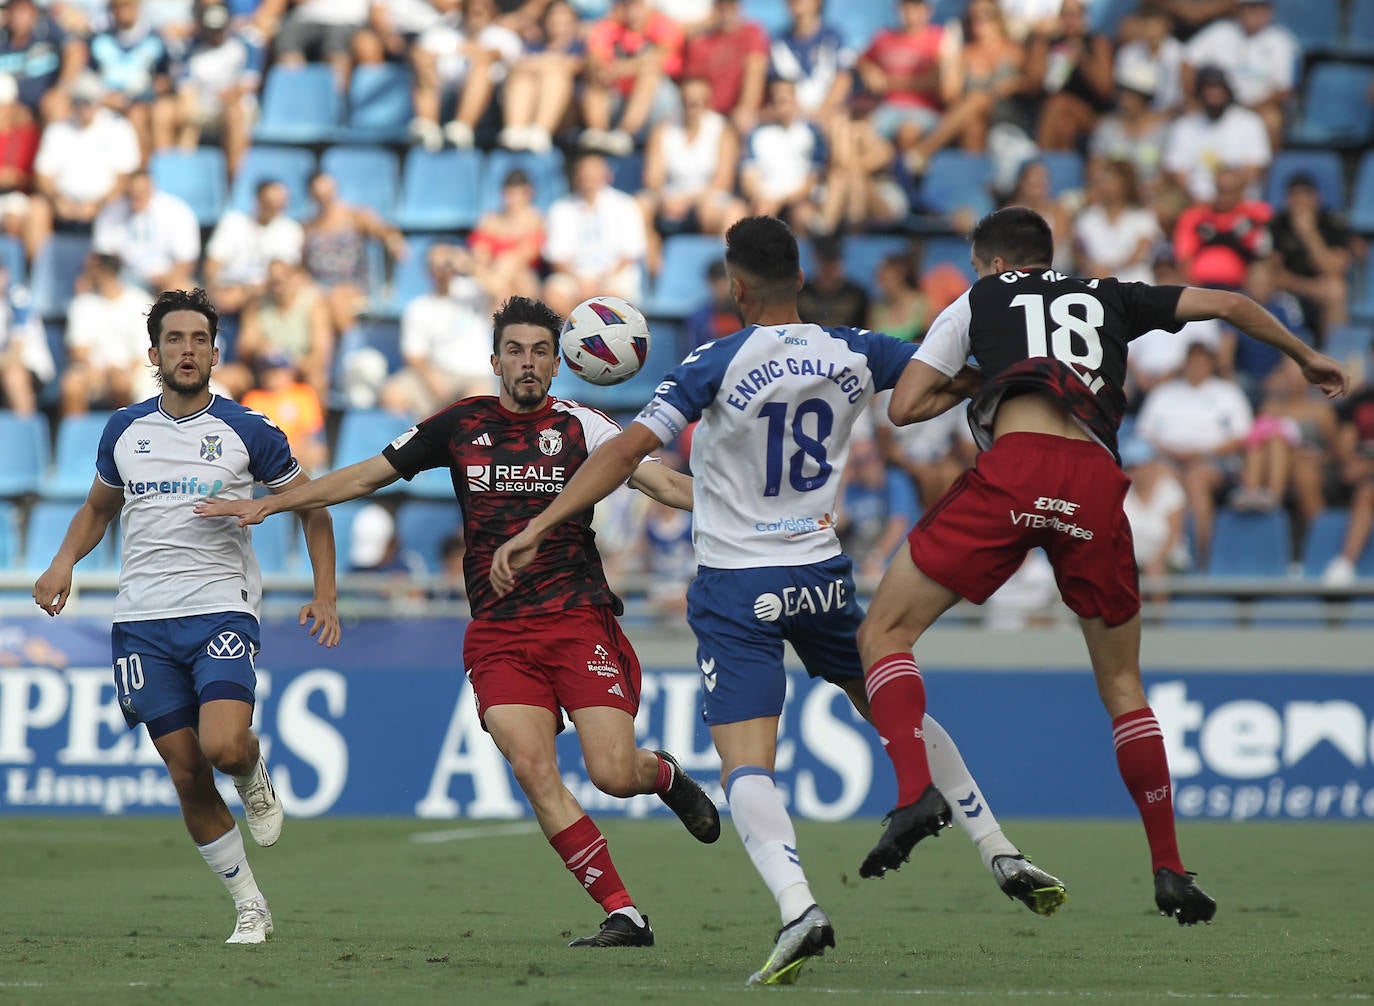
x=556 y=645
x=1052 y=355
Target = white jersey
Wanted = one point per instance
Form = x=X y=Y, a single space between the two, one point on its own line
x=776 y=406
x=176 y=564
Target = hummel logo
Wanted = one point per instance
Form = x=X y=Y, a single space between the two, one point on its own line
x=144 y=447
x=483 y=441
x=708 y=673
x=972 y=808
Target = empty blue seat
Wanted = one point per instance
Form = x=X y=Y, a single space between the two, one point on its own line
x=9 y=534
x=1362 y=202
x=197 y=176
x=1324 y=540
x=289 y=165
x=954 y=181
x=379 y=104
x=422 y=526
x=857 y=23
x=300 y=104
x=275 y=543
x=366 y=176
x=1358 y=39
x=1336 y=110
x=1362 y=307
x=1106 y=16
x=943 y=11
x=74 y=457
x=1324 y=166
x=665 y=353
x=1065 y=168
x=947 y=251
x=1316 y=24
x=55 y=270
x=863 y=253
x=627 y=173
x=547 y=173
x=47 y=526
x=26 y=452
x=1350 y=343
x=439 y=190
x=681 y=285
x=771 y=14
x=362 y=435
x=1250 y=544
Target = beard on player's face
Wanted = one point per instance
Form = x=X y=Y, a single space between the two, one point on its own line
x=528 y=392
x=172 y=378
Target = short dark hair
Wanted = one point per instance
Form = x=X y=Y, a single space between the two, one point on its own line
x=765 y=248
x=264 y=185
x=524 y=311
x=1015 y=233
x=181 y=300
x=107 y=261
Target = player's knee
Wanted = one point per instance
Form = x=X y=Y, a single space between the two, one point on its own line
x=535 y=774
x=191 y=779
x=232 y=755
x=615 y=780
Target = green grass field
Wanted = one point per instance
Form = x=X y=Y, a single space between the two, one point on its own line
x=123 y=910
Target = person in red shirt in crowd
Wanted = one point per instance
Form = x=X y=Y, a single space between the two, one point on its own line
x=633 y=54
x=902 y=69
x=1216 y=241
x=21 y=216
x=732 y=54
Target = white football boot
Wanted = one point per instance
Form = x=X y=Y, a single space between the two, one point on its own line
x=254 y=925
x=261 y=805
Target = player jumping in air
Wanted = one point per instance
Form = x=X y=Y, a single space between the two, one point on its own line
x=557 y=644
x=186 y=617
x=1052 y=351
x=776 y=401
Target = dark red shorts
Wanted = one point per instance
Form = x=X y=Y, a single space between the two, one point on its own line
x=573 y=659
x=1031 y=489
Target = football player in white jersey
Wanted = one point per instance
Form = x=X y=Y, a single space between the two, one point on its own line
x=776 y=402
x=186 y=617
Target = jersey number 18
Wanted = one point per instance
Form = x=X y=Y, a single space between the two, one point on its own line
x=809 y=446
x=1059 y=342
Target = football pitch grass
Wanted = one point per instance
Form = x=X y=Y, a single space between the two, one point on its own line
x=116 y=911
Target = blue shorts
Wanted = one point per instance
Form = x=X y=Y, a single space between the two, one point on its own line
x=165 y=669
x=741 y=617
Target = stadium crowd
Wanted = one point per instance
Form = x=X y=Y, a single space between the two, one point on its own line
x=358 y=182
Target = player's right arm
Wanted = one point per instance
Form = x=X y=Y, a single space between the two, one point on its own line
x=88 y=526
x=361 y=479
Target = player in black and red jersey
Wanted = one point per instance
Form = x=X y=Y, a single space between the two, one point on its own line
x=555 y=645
x=1052 y=354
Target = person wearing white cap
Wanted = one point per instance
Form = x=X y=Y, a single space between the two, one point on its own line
x=85 y=161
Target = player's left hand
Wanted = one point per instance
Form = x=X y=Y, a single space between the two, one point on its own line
x=326 y=620
x=511 y=558
x=247 y=511
x=1327 y=374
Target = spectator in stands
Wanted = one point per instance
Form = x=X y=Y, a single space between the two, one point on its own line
x=689 y=170
x=1189 y=16
x=135 y=65
x=1151 y=53
x=1215 y=240
x=26 y=218
x=1157 y=357
x=451 y=552
x=540 y=85
x=1355 y=455
x=373 y=546
x=634 y=53
x=154 y=233
x=1260 y=59
x=335 y=249
x=830 y=297
x=445 y=340
x=26 y=363
x=1033 y=189
x=1069 y=67
x=293 y=405
x=785 y=163
x=716 y=317
x=84 y=162
x=44 y=58
x=596 y=241
x=877 y=508
x=319 y=29
x=662 y=551
x=901 y=309
x=931 y=454
x=507 y=245
x=393 y=26
x=1221 y=133
x=1155 y=505
x=1198 y=422
x=107 y=342
x=243 y=244
x=1252 y=362
x=1115 y=235
x=217 y=84
x=1136 y=131
x=1312 y=245
x=814 y=56
x=731 y=55
x=469 y=55
x=901 y=67
x=291 y=318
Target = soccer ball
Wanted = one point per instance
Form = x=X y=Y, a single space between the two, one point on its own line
x=605 y=340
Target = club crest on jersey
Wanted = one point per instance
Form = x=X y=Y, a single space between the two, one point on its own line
x=211 y=447
x=550 y=442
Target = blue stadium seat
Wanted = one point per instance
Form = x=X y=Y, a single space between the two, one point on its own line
x=863 y=253
x=439 y=190
x=290 y=166
x=198 y=176
x=1362 y=201
x=772 y=14
x=13 y=260
x=1336 y=110
x=362 y=435
x=422 y=526
x=300 y=104
x=366 y=176
x=1359 y=33
x=1065 y=168
x=47 y=527
x=547 y=172
x=947 y=251
x=1323 y=165
x=9 y=534
x=857 y=23
x=665 y=353
x=381 y=334
x=1324 y=540
x=681 y=285
x=1250 y=544
x=275 y=543
x=343 y=514
x=379 y=104
x=955 y=180
x=26 y=452
x=55 y=269
x=944 y=11
x=1105 y=16
x=627 y=173
x=1362 y=307
x=73 y=466
x=1350 y=343
x=1316 y=24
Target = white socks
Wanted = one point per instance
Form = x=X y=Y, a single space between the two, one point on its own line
x=768 y=836
x=226 y=857
x=954 y=781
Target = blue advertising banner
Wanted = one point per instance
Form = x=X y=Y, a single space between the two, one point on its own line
x=386 y=725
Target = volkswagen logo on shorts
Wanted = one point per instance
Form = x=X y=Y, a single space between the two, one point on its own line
x=767 y=607
x=226 y=646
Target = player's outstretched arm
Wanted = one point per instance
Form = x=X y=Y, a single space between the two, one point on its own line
x=1250 y=317
x=83 y=534
x=669 y=487
x=323 y=608
x=605 y=468
x=337 y=487
x=923 y=392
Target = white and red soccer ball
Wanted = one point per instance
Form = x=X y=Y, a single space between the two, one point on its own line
x=605 y=340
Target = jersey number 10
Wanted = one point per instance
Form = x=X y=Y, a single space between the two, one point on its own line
x=1059 y=342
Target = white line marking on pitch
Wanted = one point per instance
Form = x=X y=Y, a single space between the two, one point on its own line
x=491 y=831
x=1040 y=993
